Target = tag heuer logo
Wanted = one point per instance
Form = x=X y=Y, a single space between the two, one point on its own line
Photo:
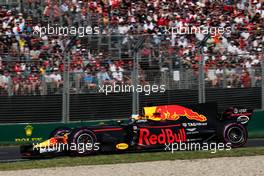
x=29 y=130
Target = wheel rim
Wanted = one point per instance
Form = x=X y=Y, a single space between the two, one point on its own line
x=84 y=139
x=235 y=135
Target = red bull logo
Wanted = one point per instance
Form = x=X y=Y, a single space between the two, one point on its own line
x=172 y=112
x=166 y=136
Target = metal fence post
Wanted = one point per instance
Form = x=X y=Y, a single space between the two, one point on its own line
x=61 y=20
x=21 y=7
x=136 y=55
x=51 y=17
x=201 y=86
x=135 y=97
x=66 y=93
x=10 y=87
x=224 y=77
x=262 y=78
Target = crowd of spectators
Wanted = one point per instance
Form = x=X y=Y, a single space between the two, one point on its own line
x=31 y=64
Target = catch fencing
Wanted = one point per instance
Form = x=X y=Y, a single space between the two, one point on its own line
x=113 y=77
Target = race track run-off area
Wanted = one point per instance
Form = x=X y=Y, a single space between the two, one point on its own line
x=232 y=166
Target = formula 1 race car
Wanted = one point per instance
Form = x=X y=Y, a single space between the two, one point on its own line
x=156 y=128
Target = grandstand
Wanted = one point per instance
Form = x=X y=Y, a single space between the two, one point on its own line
x=42 y=65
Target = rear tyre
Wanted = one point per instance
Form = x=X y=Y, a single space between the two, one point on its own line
x=83 y=142
x=235 y=134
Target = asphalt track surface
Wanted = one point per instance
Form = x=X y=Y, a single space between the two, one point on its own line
x=12 y=154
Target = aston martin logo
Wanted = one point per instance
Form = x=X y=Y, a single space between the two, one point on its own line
x=191 y=129
x=29 y=130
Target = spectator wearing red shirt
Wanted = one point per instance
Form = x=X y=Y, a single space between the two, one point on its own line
x=246 y=80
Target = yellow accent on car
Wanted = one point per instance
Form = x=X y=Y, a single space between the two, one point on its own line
x=122 y=146
x=149 y=111
x=47 y=143
x=43 y=144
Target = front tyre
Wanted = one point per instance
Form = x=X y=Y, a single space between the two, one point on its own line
x=235 y=134
x=82 y=142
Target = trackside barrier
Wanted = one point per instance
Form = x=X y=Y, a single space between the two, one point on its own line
x=256 y=125
x=36 y=132
x=12 y=134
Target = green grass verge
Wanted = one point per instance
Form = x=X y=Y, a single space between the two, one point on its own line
x=254 y=135
x=129 y=158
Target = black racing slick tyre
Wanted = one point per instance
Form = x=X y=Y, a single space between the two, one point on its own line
x=235 y=134
x=59 y=132
x=83 y=142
